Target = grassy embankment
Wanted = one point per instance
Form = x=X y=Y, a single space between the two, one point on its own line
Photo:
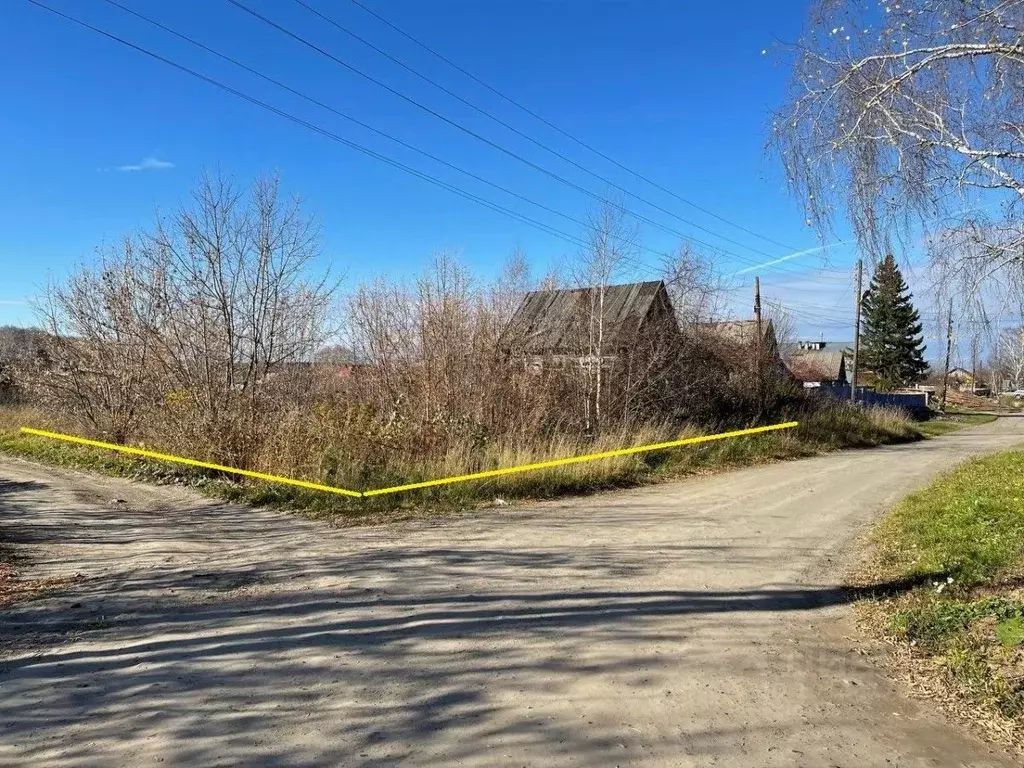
x=826 y=430
x=959 y=636
x=952 y=422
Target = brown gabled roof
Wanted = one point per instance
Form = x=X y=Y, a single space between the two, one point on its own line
x=553 y=322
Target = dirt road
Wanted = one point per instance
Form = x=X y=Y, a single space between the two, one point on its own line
x=690 y=624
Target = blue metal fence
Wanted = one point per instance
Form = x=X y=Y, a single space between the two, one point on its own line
x=914 y=402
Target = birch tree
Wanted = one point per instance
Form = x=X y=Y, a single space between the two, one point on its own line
x=698 y=291
x=910 y=113
x=611 y=242
x=1009 y=356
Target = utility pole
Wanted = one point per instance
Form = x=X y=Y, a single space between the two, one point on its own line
x=974 y=360
x=760 y=341
x=949 y=348
x=856 y=331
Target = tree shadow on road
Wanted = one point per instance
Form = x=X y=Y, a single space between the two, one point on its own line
x=384 y=675
x=212 y=633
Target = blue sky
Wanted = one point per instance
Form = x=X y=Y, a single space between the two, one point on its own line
x=97 y=136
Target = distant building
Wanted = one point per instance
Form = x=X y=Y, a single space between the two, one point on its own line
x=819 y=363
x=961 y=378
x=736 y=343
x=558 y=327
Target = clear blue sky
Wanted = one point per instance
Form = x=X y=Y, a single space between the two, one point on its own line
x=678 y=91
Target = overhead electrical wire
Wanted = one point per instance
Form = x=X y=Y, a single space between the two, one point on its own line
x=561 y=131
x=317 y=129
x=344 y=115
x=542 y=226
x=576 y=241
x=808 y=315
x=362 y=124
x=470 y=132
x=505 y=124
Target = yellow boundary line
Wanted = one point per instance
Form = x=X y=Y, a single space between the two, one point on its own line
x=412 y=486
x=191 y=462
x=580 y=459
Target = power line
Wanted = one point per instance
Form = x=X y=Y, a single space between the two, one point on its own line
x=505 y=124
x=824 y=308
x=573 y=240
x=563 y=132
x=802 y=313
x=346 y=116
x=541 y=226
x=322 y=131
x=455 y=124
x=638 y=264
x=817 y=290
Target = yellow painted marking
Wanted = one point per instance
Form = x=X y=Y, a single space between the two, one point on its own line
x=425 y=483
x=579 y=459
x=191 y=462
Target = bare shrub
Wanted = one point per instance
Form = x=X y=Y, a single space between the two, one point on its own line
x=209 y=336
x=100 y=350
x=430 y=375
x=180 y=330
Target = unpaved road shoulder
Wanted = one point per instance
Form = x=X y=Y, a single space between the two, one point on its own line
x=690 y=624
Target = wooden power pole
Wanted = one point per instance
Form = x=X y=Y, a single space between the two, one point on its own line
x=975 y=340
x=760 y=342
x=856 y=331
x=949 y=348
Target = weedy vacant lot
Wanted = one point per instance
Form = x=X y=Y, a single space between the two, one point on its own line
x=820 y=431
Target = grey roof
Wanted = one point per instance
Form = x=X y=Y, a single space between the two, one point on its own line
x=816 y=364
x=556 y=321
x=738 y=331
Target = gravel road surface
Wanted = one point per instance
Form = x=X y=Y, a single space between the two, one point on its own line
x=690 y=624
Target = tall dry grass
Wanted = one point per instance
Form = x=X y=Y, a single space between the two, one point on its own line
x=298 y=452
x=183 y=342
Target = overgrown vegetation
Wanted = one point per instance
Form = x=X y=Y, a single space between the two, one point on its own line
x=963 y=538
x=215 y=335
x=825 y=430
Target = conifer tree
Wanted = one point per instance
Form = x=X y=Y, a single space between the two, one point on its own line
x=892 y=346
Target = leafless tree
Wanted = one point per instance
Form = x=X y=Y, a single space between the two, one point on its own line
x=233 y=275
x=782 y=322
x=910 y=113
x=1008 y=359
x=697 y=289
x=512 y=283
x=611 y=244
x=22 y=350
x=100 y=350
x=196 y=316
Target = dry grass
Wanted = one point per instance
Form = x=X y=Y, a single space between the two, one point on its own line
x=295 y=451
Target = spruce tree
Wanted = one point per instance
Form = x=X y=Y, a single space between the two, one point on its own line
x=892 y=346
